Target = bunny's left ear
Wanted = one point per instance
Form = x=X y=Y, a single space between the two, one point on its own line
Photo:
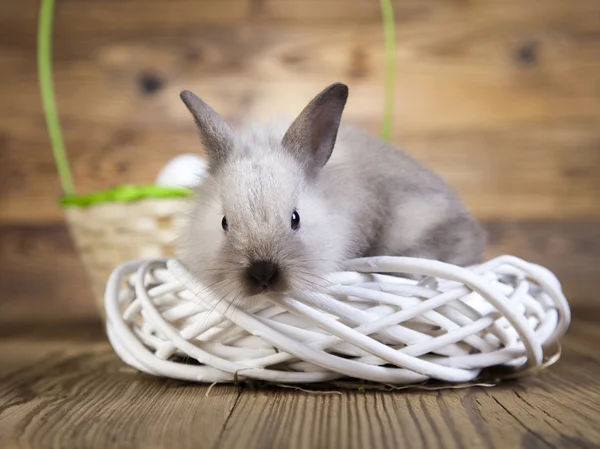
x=311 y=137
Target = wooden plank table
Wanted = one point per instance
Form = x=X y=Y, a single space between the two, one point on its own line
x=61 y=386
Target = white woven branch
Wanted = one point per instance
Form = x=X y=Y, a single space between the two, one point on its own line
x=368 y=324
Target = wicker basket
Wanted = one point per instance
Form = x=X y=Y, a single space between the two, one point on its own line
x=108 y=234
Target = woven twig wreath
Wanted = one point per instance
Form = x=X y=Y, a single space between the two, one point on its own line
x=449 y=325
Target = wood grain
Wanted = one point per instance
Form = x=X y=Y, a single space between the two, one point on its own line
x=68 y=394
x=41 y=275
x=59 y=390
x=526 y=173
x=455 y=75
x=98 y=17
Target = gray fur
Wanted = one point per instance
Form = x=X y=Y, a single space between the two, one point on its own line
x=368 y=199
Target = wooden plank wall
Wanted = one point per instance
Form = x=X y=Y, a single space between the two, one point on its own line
x=500 y=97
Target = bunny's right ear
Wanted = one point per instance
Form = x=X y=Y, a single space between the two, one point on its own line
x=216 y=135
x=311 y=137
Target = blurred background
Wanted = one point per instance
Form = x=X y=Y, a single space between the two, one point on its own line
x=502 y=98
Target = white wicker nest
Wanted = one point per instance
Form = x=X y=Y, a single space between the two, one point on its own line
x=448 y=326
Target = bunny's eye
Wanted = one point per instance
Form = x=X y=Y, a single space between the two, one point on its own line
x=224 y=224
x=295 y=221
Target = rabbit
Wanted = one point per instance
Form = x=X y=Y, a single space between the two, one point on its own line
x=284 y=204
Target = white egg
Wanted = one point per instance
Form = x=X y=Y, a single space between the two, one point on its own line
x=185 y=170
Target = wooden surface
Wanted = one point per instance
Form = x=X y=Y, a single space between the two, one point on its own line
x=62 y=386
x=499 y=97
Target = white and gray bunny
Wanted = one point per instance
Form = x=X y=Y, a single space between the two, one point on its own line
x=284 y=204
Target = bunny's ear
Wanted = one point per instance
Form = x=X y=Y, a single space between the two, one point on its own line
x=312 y=135
x=216 y=135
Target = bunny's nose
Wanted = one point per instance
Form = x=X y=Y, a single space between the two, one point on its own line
x=263 y=274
